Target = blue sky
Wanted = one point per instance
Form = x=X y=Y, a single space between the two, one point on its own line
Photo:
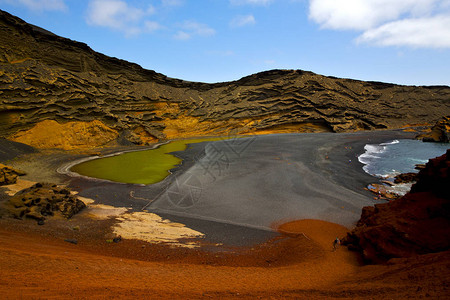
x=398 y=41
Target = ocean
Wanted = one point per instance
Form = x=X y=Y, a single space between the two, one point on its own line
x=391 y=158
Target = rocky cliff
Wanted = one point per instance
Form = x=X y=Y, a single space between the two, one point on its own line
x=417 y=223
x=439 y=133
x=46 y=77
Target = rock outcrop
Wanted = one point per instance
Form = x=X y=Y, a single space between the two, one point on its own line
x=435 y=178
x=440 y=132
x=47 y=77
x=9 y=175
x=417 y=223
x=405 y=177
x=43 y=200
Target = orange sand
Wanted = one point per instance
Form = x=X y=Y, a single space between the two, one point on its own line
x=37 y=265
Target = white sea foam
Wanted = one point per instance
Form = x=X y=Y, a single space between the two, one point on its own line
x=402 y=188
x=390 y=143
x=371 y=148
x=388 y=159
x=369 y=156
x=372 y=154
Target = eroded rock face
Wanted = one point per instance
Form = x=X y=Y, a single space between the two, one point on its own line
x=440 y=132
x=417 y=223
x=43 y=200
x=46 y=77
x=9 y=175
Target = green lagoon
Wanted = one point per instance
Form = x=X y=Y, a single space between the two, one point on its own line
x=139 y=167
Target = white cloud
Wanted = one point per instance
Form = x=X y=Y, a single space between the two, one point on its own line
x=433 y=32
x=240 y=21
x=40 y=5
x=120 y=16
x=182 y=36
x=152 y=26
x=363 y=14
x=417 y=23
x=198 y=28
x=191 y=28
x=253 y=2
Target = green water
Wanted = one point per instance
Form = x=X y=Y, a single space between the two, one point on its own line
x=140 y=167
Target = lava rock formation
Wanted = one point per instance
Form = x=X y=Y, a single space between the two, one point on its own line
x=44 y=77
x=42 y=200
x=417 y=223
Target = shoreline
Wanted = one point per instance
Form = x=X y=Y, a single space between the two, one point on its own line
x=296 y=261
x=65 y=169
x=228 y=231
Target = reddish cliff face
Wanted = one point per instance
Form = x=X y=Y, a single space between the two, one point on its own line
x=417 y=223
x=435 y=177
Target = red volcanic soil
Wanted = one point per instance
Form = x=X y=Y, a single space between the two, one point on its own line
x=36 y=263
x=418 y=223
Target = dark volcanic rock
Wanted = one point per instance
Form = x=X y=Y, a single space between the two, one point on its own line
x=440 y=132
x=47 y=77
x=9 y=175
x=405 y=177
x=435 y=177
x=42 y=200
x=417 y=223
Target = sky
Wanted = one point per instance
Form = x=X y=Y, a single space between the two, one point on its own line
x=396 y=41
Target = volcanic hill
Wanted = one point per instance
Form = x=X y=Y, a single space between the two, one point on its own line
x=59 y=93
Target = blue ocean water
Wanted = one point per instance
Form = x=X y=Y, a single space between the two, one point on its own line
x=398 y=156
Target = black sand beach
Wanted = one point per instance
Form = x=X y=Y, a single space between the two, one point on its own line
x=235 y=191
x=262 y=180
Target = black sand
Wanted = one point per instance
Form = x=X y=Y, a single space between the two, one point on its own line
x=10 y=150
x=235 y=190
x=262 y=180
